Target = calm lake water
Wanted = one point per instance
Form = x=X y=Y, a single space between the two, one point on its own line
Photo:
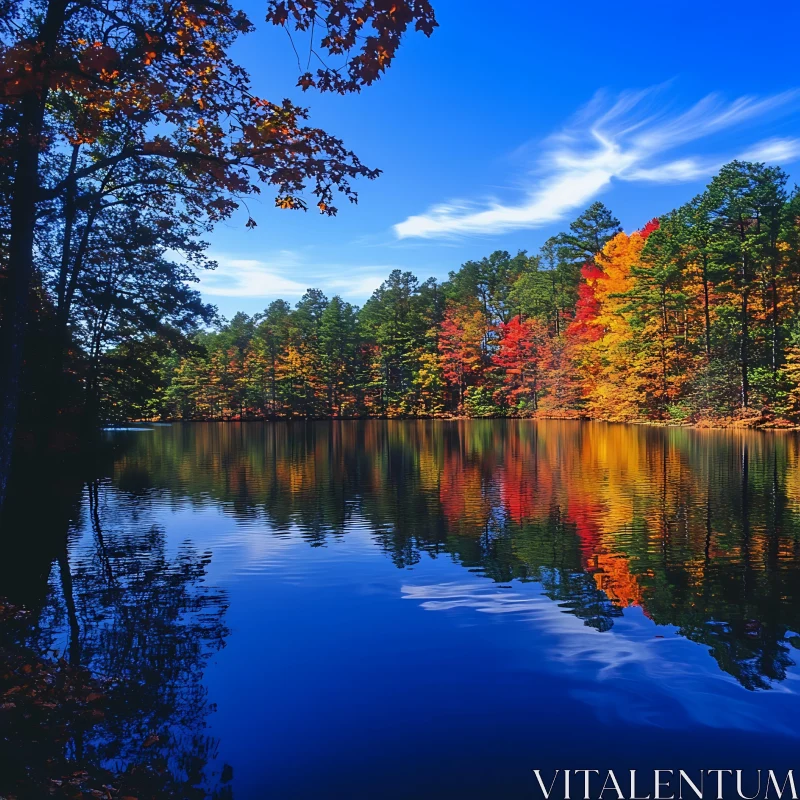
x=429 y=609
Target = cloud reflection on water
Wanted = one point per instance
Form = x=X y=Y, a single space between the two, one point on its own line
x=641 y=684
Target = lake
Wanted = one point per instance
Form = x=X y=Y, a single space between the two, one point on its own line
x=398 y=609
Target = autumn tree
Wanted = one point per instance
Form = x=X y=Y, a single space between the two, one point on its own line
x=461 y=354
x=613 y=386
x=650 y=330
x=518 y=360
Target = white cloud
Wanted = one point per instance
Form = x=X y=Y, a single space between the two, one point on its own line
x=357 y=285
x=774 y=150
x=684 y=169
x=623 y=139
x=277 y=277
x=247 y=277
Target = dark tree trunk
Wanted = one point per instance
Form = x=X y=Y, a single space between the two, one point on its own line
x=24 y=196
x=706 y=309
x=774 y=318
x=20 y=278
x=744 y=350
x=69 y=223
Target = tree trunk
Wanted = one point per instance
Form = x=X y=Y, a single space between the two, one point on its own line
x=744 y=350
x=774 y=320
x=706 y=310
x=69 y=222
x=20 y=277
x=24 y=197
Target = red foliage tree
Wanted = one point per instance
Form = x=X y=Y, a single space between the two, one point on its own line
x=460 y=349
x=651 y=226
x=588 y=306
x=517 y=361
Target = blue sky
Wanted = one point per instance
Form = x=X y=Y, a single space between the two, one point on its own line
x=506 y=123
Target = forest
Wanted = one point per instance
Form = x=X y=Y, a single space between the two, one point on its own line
x=694 y=318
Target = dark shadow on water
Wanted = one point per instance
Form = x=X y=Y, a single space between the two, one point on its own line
x=139 y=618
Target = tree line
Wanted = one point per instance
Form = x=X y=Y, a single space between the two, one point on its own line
x=694 y=317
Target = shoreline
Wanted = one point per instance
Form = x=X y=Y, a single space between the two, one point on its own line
x=746 y=423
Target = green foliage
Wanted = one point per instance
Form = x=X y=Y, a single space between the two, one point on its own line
x=396 y=319
x=479 y=402
x=587 y=235
x=678 y=412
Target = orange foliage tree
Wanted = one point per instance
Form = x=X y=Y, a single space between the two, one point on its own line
x=461 y=350
x=613 y=388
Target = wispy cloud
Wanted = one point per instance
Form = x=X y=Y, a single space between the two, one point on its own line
x=356 y=285
x=774 y=150
x=249 y=277
x=624 y=138
x=277 y=276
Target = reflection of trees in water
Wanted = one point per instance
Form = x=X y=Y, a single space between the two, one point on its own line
x=144 y=618
x=147 y=620
x=698 y=528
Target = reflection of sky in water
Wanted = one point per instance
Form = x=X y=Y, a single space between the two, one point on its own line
x=638 y=665
x=357 y=677
x=336 y=666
